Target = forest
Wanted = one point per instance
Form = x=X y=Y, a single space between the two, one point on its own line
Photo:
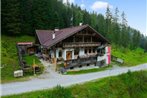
x=23 y=17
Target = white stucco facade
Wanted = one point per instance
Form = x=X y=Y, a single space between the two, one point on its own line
x=81 y=52
x=100 y=58
x=57 y=53
x=105 y=56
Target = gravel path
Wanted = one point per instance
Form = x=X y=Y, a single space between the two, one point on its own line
x=52 y=79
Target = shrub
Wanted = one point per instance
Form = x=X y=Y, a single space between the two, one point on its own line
x=60 y=92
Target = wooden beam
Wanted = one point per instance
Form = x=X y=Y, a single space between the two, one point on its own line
x=91 y=38
x=73 y=38
x=83 y=38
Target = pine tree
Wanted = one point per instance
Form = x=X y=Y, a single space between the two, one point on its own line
x=116 y=17
x=93 y=19
x=11 y=17
x=124 y=20
x=124 y=31
x=116 y=28
x=86 y=18
x=27 y=20
x=101 y=24
x=55 y=20
x=108 y=23
x=145 y=45
x=136 y=39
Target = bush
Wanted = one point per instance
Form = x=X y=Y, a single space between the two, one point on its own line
x=60 y=92
x=135 y=83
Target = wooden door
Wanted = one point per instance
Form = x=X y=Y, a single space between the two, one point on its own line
x=68 y=55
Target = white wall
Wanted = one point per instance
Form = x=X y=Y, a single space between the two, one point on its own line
x=81 y=52
x=64 y=54
x=100 y=58
x=57 y=53
x=104 y=57
x=73 y=54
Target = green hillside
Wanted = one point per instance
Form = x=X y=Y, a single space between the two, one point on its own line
x=129 y=85
x=130 y=57
x=9 y=60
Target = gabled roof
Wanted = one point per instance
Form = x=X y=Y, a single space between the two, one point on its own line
x=45 y=36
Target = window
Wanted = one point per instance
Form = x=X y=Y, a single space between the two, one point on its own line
x=60 y=53
x=93 y=50
x=85 y=51
x=78 y=39
x=103 y=50
x=76 y=52
x=88 y=39
x=89 y=50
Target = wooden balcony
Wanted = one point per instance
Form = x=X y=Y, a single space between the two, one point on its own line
x=81 y=44
x=81 y=61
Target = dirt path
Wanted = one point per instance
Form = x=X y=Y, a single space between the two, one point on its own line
x=50 y=79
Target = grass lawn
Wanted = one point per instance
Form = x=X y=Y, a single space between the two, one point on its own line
x=130 y=57
x=129 y=85
x=9 y=58
x=88 y=70
x=30 y=59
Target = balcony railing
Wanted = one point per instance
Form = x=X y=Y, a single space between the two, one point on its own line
x=80 y=44
x=80 y=61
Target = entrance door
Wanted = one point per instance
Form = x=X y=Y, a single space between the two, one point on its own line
x=68 y=55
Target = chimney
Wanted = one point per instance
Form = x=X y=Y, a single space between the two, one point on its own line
x=80 y=24
x=53 y=35
x=56 y=29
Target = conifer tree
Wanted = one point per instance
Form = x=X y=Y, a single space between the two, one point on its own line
x=11 y=17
